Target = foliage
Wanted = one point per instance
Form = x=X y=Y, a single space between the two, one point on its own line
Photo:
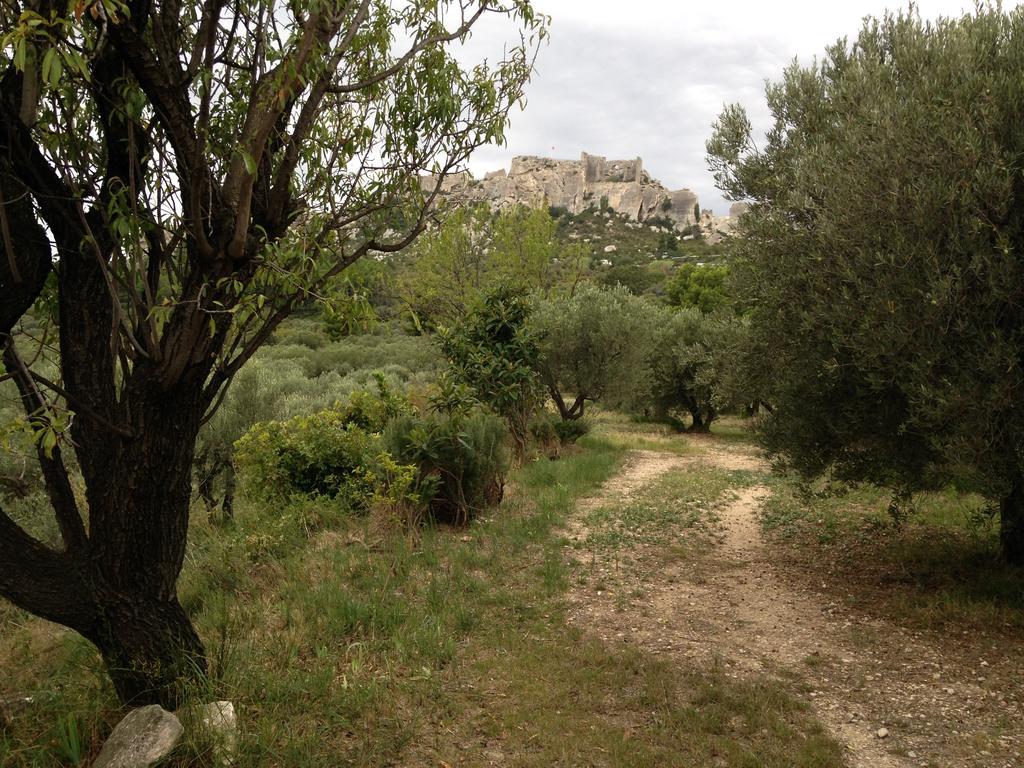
x=543 y=435
x=193 y=173
x=569 y=432
x=473 y=251
x=664 y=222
x=636 y=279
x=348 y=312
x=668 y=243
x=287 y=380
x=689 y=364
x=881 y=257
x=461 y=460
x=324 y=454
x=495 y=352
x=593 y=346
x=333 y=453
x=702 y=286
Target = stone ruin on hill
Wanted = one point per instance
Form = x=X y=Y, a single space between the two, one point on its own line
x=576 y=186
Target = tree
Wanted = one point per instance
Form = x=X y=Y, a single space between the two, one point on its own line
x=473 y=251
x=703 y=286
x=689 y=365
x=881 y=257
x=495 y=352
x=634 y=278
x=594 y=345
x=192 y=172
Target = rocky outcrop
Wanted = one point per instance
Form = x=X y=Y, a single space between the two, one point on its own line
x=622 y=186
x=738 y=209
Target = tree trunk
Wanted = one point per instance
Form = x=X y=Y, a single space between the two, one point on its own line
x=227 y=505
x=1011 y=523
x=699 y=424
x=151 y=651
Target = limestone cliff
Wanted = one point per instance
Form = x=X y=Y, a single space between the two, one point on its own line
x=575 y=186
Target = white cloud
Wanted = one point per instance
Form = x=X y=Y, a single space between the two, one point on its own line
x=647 y=78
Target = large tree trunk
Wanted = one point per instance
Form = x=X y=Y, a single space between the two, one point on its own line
x=1011 y=523
x=151 y=651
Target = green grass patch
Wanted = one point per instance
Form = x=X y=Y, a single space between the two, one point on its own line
x=935 y=564
x=679 y=500
x=345 y=645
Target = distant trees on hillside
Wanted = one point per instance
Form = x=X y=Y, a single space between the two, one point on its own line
x=882 y=257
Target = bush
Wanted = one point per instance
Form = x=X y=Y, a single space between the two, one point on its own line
x=705 y=287
x=660 y=221
x=570 y=431
x=495 y=351
x=325 y=454
x=461 y=459
x=545 y=435
x=551 y=433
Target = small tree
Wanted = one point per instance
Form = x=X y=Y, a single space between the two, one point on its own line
x=473 y=251
x=689 y=365
x=701 y=286
x=882 y=257
x=594 y=345
x=191 y=172
x=495 y=352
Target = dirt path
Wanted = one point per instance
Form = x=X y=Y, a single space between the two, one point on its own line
x=891 y=696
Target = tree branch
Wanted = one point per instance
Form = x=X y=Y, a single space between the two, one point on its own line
x=58 y=484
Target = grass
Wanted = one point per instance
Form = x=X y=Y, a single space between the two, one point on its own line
x=342 y=644
x=679 y=500
x=937 y=567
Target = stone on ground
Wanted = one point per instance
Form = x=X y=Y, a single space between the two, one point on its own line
x=144 y=737
x=221 y=722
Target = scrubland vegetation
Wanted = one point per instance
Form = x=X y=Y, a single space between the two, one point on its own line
x=316 y=444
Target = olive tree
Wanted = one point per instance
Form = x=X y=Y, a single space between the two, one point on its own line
x=594 y=346
x=881 y=257
x=190 y=173
x=689 y=365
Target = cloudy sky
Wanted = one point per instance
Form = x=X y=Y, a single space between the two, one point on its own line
x=646 y=78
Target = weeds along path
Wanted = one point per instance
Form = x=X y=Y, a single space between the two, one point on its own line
x=666 y=564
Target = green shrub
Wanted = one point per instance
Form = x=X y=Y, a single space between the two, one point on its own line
x=494 y=351
x=660 y=221
x=462 y=458
x=299 y=334
x=569 y=432
x=544 y=434
x=372 y=412
x=325 y=454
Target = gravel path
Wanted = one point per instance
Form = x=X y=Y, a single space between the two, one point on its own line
x=892 y=696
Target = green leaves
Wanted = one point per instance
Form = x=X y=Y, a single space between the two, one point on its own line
x=881 y=258
x=495 y=353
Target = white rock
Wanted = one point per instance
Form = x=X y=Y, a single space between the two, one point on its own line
x=610 y=249
x=882 y=733
x=144 y=737
x=220 y=720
